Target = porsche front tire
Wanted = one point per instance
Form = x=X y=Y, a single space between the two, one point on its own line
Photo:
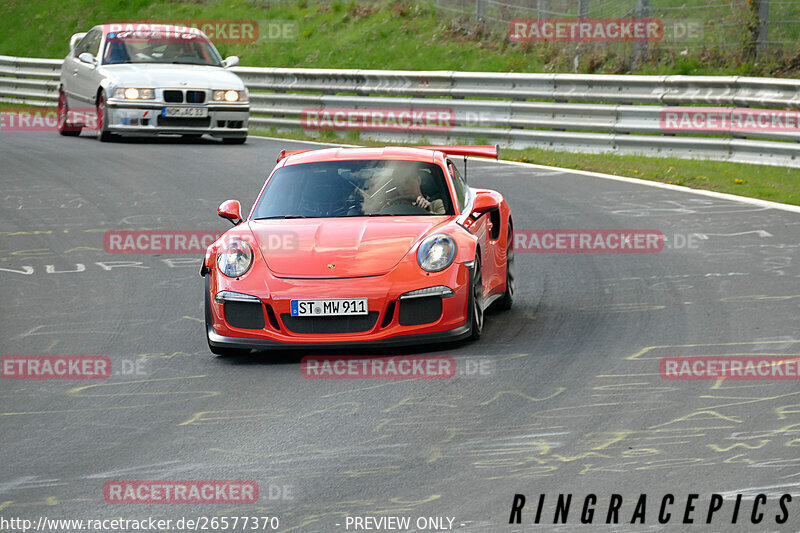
x=476 y=301
x=507 y=300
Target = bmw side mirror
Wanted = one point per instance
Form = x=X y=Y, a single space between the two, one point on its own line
x=231 y=210
x=87 y=58
x=75 y=39
x=230 y=61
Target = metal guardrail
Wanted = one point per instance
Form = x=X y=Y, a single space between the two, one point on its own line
x=567 y=112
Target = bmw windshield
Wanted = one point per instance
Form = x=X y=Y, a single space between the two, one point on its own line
x=155 y=47
x=355 y=188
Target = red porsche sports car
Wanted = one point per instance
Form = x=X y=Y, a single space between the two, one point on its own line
x=360 y=246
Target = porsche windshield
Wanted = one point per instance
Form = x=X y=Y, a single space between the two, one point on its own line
x=355 y=188
x=131 y=47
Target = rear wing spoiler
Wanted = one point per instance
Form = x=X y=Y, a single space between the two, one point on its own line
x=286 y=153
x=483 y=150
x=487 y=150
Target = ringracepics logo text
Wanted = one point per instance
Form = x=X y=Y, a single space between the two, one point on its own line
x=662 y=509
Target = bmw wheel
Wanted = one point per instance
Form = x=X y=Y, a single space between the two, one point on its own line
x=62 y=125
x=103 y=135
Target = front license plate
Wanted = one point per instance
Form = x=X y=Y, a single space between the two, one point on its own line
x=199 y=112
x=339 y=307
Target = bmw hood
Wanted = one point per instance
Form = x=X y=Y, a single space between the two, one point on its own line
x=180 y=76
x=339 y=247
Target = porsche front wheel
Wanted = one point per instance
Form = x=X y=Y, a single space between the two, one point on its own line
x=507 y=300
x=476 y=301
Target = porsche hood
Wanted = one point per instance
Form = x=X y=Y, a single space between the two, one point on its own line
x=339 y=247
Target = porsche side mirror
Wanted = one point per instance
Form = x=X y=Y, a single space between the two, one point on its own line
x=230 y=61
x=231 y=210
x=87 y=58
x=484 y=202
x=75 y=39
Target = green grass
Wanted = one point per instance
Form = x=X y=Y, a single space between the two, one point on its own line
x=776 y=184
x=403 y=34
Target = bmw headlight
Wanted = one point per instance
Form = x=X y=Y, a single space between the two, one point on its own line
x=133 y=93
x=235 y=259
x=436 y=253
x=229 y=96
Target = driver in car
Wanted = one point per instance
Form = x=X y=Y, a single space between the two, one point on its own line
x=409 y=185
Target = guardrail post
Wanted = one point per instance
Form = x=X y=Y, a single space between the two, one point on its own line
x=640 y=49
x=541 y=7
x=762 y=35
x=479 y=11
x=583 y=13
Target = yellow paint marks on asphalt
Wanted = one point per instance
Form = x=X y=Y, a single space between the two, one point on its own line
x=76 y=390
x=214 y=417
x=416 y=401
x=697 y=415
x=744 y=445
x=783 y=410
x=349 y=408
x=680 y=350
x=622 y=308
x=518 y=394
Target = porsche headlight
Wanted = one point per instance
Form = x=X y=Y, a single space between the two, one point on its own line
x=235 y=259
x=436 y=253
x=229 y=96
x=133 y=93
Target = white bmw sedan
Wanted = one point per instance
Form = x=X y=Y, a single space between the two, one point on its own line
x=150 y=80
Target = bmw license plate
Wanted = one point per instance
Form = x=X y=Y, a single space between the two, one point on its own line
x=194 y=112
x=338 y=307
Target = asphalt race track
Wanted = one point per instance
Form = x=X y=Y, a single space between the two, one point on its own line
x=568 y=398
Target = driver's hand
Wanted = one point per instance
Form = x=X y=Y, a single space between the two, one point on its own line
x=422 y=202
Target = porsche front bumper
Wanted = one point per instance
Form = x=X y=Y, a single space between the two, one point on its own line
x=393 y=320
